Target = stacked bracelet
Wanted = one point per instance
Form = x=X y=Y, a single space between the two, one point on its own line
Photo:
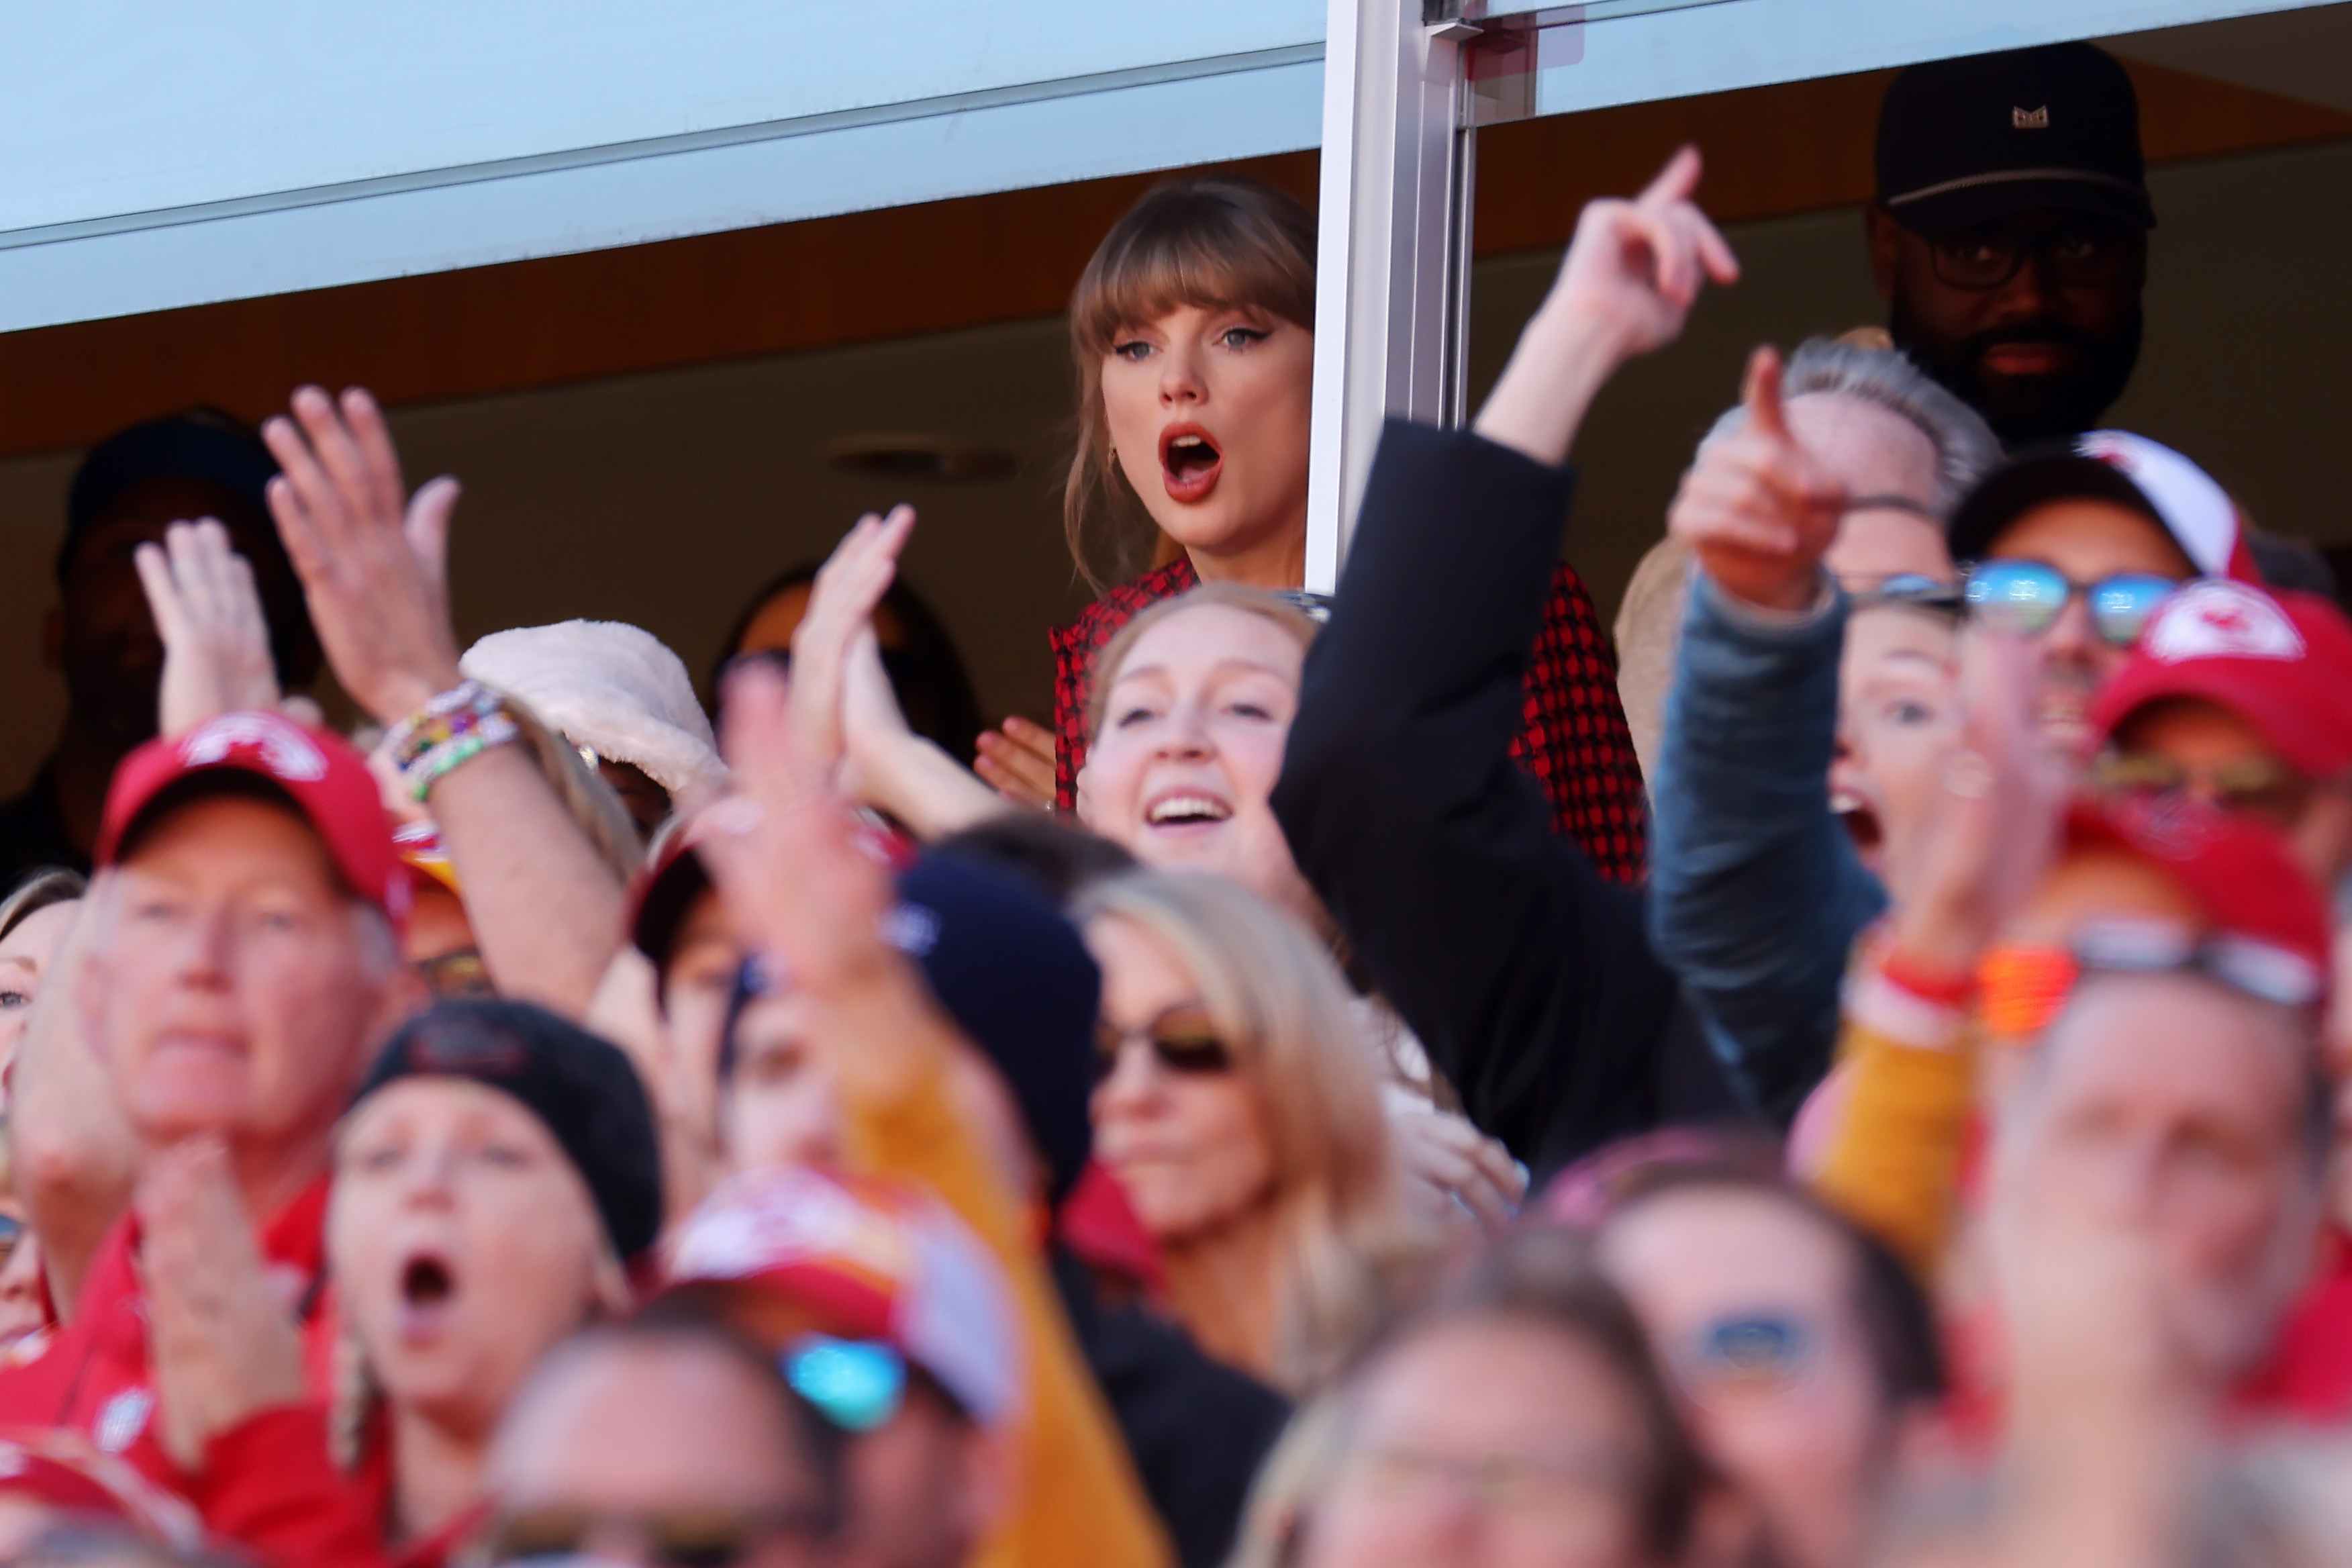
x=447 y=733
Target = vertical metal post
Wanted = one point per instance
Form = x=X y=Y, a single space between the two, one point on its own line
x=1392 y=307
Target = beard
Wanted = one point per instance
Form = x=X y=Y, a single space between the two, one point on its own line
x=2024 y=409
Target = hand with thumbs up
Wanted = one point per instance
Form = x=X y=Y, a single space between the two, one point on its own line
x=1757 y=509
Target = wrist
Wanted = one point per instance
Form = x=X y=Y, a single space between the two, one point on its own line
x=396 y=694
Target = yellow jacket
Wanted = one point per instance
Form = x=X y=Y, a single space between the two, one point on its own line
x=1077 y=1503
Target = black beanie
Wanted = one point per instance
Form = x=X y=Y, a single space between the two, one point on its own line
x=1018 y=981
x=583 y=1088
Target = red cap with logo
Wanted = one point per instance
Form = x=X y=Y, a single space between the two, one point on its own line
x=2280 y=661
x=322 y=777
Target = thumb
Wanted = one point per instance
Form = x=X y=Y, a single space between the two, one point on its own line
x=1760 y=395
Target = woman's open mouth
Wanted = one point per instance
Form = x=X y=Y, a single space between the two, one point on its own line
x=1189 y=462
x=1177 y=811
x=428 y=1292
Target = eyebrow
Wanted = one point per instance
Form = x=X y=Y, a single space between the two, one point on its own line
x=1131 y=671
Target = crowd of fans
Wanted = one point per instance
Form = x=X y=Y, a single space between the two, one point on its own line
x=1317 y=1103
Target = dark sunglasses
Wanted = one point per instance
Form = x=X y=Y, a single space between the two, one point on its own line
x=2026 y=597
x=857 y=1385
x=2250 y=967
x=681 y=1538
x=2080 y=253
x=2249 y=786
x=1183 y=1040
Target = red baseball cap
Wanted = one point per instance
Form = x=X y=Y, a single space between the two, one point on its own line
x=2280 y=660
x=323 y=778
x=2241 y=874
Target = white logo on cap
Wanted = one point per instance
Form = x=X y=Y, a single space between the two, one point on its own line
x=2220 y=620
x=124 y=1418
x=2031 y=119
x=285 y=750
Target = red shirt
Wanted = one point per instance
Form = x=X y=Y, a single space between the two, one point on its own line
x=267 y=1485
x=1572 y=741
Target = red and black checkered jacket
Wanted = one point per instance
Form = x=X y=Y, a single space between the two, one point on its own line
x=1573 y=739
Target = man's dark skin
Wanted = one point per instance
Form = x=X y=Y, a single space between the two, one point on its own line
x=101 y=634
x=2038 y=358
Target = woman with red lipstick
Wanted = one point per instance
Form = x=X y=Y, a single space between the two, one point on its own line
x=1193 y=333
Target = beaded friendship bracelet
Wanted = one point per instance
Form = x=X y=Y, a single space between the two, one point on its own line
x=447 y=733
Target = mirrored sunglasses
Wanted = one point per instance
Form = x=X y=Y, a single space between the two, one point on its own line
x=857 y=1385
x=2026 y=598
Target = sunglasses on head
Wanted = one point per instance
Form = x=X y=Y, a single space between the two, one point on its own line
x=857 y=1385
x=679 y=1538
x=2244 y=965
x=1182 y=1040
x=2026 y=598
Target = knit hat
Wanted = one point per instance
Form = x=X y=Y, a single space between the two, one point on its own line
x=869 y=1261
x=584 y=1088
x=1018 y=981
x=613 y=689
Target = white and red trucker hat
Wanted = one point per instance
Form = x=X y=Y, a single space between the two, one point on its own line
x=2132 y=471
x=320 y=775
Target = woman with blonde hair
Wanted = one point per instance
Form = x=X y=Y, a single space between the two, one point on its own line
x=1241 y=1116
x=1192 y=331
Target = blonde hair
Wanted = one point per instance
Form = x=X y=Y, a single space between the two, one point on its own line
x=1258 y=602
x=1279 y=1003
x=1216 y=240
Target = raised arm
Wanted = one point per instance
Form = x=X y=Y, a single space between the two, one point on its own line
x=545 y=908
x=1755 y=894
x=1525 y=973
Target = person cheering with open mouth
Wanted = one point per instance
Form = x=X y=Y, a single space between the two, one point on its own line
x=1193 y=332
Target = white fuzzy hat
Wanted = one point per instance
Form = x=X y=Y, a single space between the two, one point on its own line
x=613 y=688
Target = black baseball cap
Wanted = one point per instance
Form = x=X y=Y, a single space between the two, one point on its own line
x=1969 y=141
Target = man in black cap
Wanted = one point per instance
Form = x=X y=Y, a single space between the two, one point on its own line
x=2010 y=234
x=101 y=635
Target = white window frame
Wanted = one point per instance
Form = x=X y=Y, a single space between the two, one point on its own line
x=1393 y=305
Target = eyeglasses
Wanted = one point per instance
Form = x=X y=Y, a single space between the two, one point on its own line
x=2253 y=786
x=857 y=1385
x=2078 y=254
x=681 y=1538
x=1183 y=1040
x=1760 y=1352
x=1912 y=590
x=2026 y=597
x=2244 y=963
x=1497 y=1480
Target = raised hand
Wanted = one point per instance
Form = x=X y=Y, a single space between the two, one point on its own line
x=373 y=561
x=1992 y=831
x=222 y=1347
x=1756 y=508
x=208 y=614
x=1018 y=760
x=840 y=611
x=784 y=854
x=1632 y=274
x=1640 y=264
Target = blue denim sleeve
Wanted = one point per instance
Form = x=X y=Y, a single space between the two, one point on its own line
x=1756 y=893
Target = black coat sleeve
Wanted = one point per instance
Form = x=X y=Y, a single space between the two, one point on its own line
x=1527 y=974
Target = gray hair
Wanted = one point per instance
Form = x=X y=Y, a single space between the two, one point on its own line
x=1966 y=447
